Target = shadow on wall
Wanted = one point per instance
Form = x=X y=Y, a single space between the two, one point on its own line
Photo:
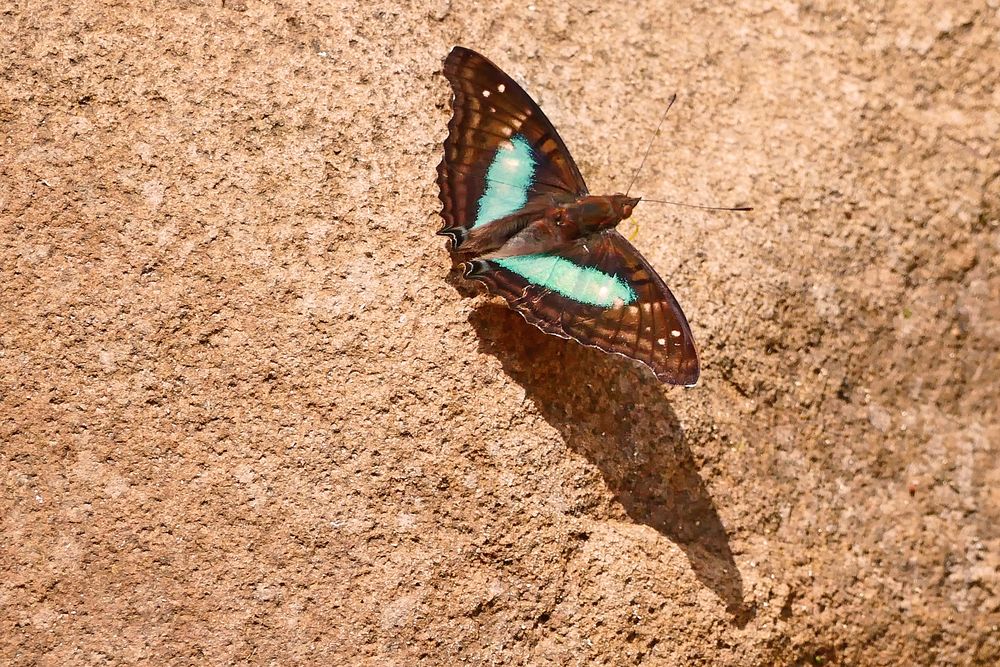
x=634 y=439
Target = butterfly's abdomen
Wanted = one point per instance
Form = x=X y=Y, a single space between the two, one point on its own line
x=487 y=238
x=545 y=227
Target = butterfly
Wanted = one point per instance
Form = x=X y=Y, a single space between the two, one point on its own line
x=520 y=220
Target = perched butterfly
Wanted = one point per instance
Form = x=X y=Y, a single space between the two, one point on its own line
x=521 y=220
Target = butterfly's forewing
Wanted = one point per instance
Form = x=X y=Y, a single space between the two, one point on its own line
x=600 y=292
x=501 y=150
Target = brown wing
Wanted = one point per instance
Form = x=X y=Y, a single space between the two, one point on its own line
x=651 y=328
x=490 y=109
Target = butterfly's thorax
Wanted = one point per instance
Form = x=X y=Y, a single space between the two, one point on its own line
x=595 y=213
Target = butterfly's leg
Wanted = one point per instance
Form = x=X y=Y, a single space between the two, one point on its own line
x=633 y=229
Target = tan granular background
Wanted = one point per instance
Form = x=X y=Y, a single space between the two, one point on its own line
x=247 y=418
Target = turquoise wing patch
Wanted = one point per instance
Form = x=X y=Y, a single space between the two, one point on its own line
x=508 y=180
x=580 y=283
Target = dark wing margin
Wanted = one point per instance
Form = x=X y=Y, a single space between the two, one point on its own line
x=652 y=329
x=488 y=109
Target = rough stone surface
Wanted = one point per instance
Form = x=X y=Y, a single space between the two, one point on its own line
x=245 y=417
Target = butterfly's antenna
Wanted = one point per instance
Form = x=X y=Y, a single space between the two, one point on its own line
x=577 y=9
x=707 y=208
x=673 y=98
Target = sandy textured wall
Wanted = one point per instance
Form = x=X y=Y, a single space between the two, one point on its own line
x=244 y=417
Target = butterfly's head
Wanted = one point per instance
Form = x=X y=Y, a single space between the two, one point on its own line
x=624 y=204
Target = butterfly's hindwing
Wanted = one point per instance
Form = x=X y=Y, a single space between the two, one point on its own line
x=501 y=150
x=602 y=293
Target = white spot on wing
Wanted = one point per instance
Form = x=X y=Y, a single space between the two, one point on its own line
x=661 y=341
x=675 y=333
x=501 y=88
x=486 y=93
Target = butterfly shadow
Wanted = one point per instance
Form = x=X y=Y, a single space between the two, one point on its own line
x=616 y=415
